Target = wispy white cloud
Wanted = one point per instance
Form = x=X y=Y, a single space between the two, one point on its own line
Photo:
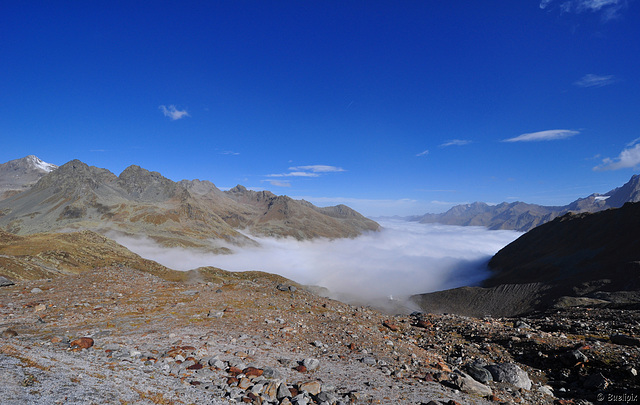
x=610 y=9
x=548 y=135
x=455 y=142
x=591 y=80
x=423 y=153
x=278 y=183
x=308 y=171
x=173 y=113
x=628 y=158
x=318 y=168
x=294 y=174
x=229 y=152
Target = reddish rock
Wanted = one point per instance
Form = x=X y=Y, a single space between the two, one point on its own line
x=442 y=366
x=232 y=380
x=430 y=378
x=252 y=372
x=300 y=368
x=196 y=366
x=254 y=398
x=234 y=371
x=392 y=326
x=82 y=343
x=424 y=324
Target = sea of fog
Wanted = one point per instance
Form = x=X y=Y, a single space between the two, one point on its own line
x=404 y=258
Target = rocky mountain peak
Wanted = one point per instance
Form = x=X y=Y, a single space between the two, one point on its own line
x=39 y=165
x=146 y=185
x=27 y=164
x=74 y=175
x=629 y=192
x=20 y=174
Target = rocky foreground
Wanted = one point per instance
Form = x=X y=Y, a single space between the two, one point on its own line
x=117 y=335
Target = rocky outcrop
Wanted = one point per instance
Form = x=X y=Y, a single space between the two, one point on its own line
x=187 y=213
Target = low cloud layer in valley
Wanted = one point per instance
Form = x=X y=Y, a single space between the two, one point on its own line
x=404 y=258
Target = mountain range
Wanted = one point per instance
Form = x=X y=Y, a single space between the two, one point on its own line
x=523 y=217
x=188 y=213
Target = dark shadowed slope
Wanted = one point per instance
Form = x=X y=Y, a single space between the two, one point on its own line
x=574 y=260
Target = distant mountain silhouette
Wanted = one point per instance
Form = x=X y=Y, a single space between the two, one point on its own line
x=523 y=217
x=186 y=213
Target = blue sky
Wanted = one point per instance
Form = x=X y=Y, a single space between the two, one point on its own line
x=390 y=107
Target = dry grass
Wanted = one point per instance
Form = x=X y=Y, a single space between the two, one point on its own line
x=9 y=350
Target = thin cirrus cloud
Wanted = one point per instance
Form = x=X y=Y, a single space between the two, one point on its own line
x=423 y=153
x=278 y=183
x=610 y=9
x=549 y=135
x=591 y=80
x=308 y=171
x=628 y=158
x=456 y=142
x=173 y=113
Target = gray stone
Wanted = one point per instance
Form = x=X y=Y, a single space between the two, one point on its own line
x=215 y=313
x=217 y=363
x=300 y=399
x=546 y=390
x=311 y=364
x=369 y=360
x=268 y=372
x=36 y=290
x=510 y=373
x=479 y=373
x=283 y=391
x=324 y=396
x=465 y=383
x=574 y=357
x=5 y=282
